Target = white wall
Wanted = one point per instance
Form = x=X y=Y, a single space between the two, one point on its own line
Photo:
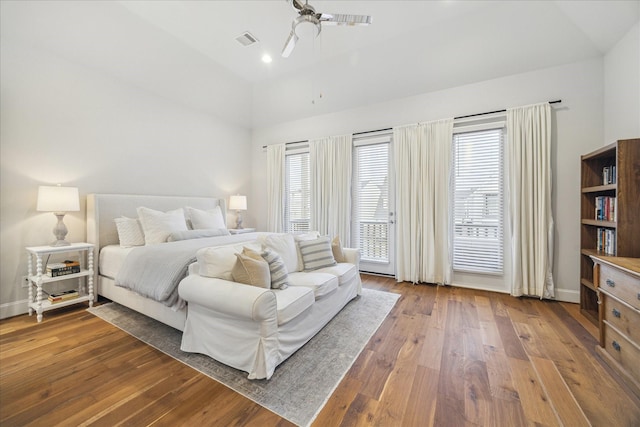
x=64 y=123
x=578 y=129
x=622 y=88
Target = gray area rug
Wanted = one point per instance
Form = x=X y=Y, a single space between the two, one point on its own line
x=302 y=384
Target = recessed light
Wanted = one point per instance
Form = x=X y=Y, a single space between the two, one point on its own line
x=266 y=58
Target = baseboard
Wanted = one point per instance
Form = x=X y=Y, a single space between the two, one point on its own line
x=567 y=295
x=14 y=308
x=479 y=288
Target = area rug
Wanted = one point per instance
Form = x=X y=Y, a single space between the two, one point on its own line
x=301 y=385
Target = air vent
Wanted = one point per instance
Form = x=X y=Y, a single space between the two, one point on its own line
x=246 y=39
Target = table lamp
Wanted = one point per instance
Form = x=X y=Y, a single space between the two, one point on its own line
x=238 y=203
x=58 y=200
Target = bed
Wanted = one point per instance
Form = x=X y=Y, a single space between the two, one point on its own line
x=102 y=210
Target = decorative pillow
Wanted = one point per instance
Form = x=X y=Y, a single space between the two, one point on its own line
x=310 y=235
x=157 y=226
x=217 y=261
x=251 y=271
x=209 y=219
x=196 y=234
x=284 y=245
x=278 y=270
x=251 y=253
x=316 y=253
x=336 y=248
x=129 y=232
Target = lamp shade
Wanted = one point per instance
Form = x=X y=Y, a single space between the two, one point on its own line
x=238 y=203
x=58 y=199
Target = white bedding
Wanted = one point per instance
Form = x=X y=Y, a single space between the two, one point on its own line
x=111 y=259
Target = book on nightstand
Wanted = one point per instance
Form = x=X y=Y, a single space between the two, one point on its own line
x=63 y=296
x=63 y=268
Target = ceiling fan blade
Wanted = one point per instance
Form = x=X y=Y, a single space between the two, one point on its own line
x=297 y=4
x=290 y=44
x=342 y=19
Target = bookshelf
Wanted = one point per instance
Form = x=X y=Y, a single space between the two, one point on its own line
x=609 y=212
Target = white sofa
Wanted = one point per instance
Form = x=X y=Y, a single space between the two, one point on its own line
x=255 y=329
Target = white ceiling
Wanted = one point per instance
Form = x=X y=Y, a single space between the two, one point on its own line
x=186 y=50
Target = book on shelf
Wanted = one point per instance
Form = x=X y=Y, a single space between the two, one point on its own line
x=606 y=241
x=606 y=207
x=609 y=175
x=63 y=296
x=63 y=268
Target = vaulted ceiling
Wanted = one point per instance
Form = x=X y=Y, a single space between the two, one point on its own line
x=186 y=50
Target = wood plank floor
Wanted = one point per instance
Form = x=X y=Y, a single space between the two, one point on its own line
x=443 y=357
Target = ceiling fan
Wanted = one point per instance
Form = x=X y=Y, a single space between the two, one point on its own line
x=308 y=15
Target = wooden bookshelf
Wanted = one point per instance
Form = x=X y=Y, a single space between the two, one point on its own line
x=623 y=231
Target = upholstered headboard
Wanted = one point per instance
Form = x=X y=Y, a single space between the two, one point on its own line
x=102 y=209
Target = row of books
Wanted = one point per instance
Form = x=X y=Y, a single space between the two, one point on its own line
x=606 y=208
x=63 y=296
x=609 y=175
x=606 y=241
x=63 y=268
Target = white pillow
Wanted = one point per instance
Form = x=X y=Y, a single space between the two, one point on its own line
x=196 y=234
x=284 y=245
x=158 y=226
x=218 y=261
x=210 y=219
x=129 y=232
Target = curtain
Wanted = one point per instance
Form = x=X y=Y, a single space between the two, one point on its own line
x=330 y=170
x=275 y=188
x=529 y=164
x=422 y=156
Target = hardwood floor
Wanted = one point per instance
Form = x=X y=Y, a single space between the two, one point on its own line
x=444 y=357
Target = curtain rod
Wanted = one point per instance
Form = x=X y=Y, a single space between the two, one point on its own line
x=557 y=101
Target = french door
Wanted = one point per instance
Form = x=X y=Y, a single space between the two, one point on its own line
x=373 y=229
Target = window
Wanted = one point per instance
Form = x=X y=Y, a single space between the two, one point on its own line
x=298 y=197
x=478 y=201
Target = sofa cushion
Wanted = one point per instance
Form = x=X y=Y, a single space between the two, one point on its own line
x=344 y=271
x=284 y=245
x=321 y=283
x=292 y=301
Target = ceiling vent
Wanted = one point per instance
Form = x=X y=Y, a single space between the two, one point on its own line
x=246 y=39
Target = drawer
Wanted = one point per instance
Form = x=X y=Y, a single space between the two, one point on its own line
x=622 y=317
x=624 y=352
x=620 y=284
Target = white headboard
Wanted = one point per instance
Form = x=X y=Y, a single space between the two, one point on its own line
x=102 y=209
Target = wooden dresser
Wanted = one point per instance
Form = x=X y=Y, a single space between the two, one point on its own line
x=618 y=283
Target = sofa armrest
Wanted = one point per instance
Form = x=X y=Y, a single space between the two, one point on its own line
x=230 y=298
x=352 y=256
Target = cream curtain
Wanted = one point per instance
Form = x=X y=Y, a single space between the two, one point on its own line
x=275 y=187
x=422 y=155
x=330 y=173
x=529 y=164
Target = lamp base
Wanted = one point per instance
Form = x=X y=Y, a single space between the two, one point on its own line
x=60 y=231
x=239 y=221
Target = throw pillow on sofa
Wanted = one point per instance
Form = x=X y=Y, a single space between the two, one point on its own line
x=251 y=271
x=336 y=248
x=316 y=253
x=277 y=268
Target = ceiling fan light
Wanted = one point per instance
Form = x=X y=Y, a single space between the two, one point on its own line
x=307 y=19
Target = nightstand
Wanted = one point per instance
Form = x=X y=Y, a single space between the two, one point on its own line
x=241 y=230
x=38 y=278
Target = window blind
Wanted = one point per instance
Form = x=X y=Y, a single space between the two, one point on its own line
x=478 y=201
x=297 y=188
x=371 y=199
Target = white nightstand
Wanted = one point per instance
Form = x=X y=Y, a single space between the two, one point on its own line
x=38 y=277
x=241 y=230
